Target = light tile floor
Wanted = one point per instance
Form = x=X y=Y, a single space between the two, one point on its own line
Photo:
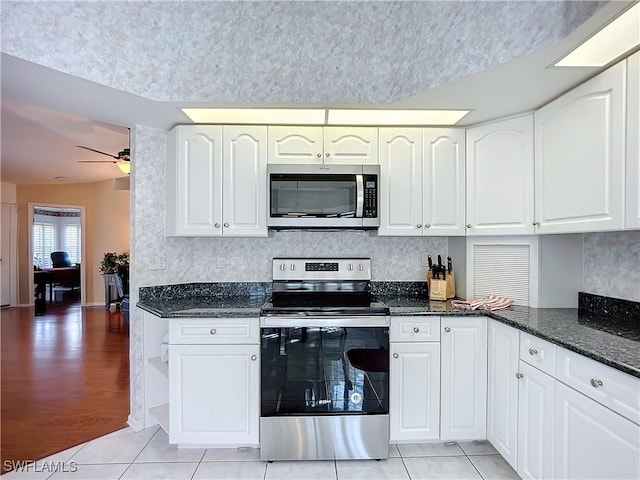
x=126 y=454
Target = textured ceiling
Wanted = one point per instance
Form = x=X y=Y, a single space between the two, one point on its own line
x=302 y=52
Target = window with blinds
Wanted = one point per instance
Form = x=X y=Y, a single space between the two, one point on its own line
x=502 y=270
x=73 y=242
x=44 y=242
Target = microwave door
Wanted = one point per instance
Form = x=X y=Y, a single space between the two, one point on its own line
x=359 y=196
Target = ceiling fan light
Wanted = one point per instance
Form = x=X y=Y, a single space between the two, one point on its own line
x=124 y=166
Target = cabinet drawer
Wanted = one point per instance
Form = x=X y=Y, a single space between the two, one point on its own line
x=193 y=331
x=538 y=353
x=415 y=329
x=608 y=386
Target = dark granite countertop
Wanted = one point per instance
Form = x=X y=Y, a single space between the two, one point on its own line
x=610 y=336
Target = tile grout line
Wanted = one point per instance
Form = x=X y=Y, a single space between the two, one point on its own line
x=134 y=458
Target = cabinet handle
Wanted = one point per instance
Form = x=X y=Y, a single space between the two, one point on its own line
x=319 y=155
x=217 y=225
x=519 y=375
x=535 y=224
x=419 y=225
x=447 y=329
x=468 y=225
x=595 y=383
x=226 y=225
x=416 y=330
x=395 y=355
x=327 y=154
x=427 y=225
x=533 y=351
x=213 y=331
x=254 y=358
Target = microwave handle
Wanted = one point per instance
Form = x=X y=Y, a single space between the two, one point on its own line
x=359 y=196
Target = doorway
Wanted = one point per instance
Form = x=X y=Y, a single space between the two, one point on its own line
x=8 y=255
x=54 y=228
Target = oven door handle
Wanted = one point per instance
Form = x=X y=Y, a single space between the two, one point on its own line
x=359 y=196
x=308 y=321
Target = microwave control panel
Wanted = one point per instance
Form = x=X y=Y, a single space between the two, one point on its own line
x=370 y=196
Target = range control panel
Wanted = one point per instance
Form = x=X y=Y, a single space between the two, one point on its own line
x=321 y=269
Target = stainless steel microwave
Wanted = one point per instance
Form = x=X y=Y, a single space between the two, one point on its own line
x=323 y=196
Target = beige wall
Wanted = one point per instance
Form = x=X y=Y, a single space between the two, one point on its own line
x=107 y=228
x=8 y=192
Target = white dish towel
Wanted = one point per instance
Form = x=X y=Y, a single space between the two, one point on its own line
x=492 y=302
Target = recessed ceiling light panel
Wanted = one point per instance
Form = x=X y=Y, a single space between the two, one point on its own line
x=259 y=116
x=395 y=117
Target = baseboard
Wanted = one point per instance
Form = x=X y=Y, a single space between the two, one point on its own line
x=136 y=425
x=93 y=304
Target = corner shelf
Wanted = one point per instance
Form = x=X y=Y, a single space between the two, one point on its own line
x=159 y=365
x=161 y=412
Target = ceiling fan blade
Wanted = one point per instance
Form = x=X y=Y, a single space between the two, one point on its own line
x=97 y=151
x=96 y=161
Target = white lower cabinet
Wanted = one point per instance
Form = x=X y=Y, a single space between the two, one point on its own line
x=502 y=389
x=591 y=441
x=463 y=397
x=535 y=423
x=214 y=394
x=414 y=413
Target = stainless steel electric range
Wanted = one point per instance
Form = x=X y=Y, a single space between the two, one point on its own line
x=324 y=363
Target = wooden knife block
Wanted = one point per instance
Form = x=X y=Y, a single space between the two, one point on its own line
x=437 y=287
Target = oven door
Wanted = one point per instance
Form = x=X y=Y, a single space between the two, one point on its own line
x=324 y=392
x=307 y=196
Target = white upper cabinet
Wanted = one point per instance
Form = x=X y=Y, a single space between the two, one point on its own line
x=245 y=181
x=579 y=157
x=194 y=181
x=633 y=143
x=216 y=181
x=341 y=145
x=351 y=145
x=400 y=196
x=500 y=178
x=295 y=145
x=443 y=172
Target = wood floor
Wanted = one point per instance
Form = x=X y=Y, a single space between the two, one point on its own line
x=65 y=378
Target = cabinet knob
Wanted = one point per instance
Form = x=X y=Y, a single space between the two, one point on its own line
x=416 y=330
x=226 y=225
x=533 y=351
x=254 y=358
x=519 y=375
x=427 y=225
x=535 y=224
x=419 y=225
x=468 y=225
x=395 y=355
x=447 y=329
x=217 y=225
x=595 y=383
x=212 y=331
x=327 y=154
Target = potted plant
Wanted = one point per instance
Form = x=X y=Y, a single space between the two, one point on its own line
x=112 y=260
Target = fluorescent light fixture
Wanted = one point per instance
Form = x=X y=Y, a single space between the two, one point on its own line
x=124 y=166
x=395 y=117
x=609 y=43
x=261 y=116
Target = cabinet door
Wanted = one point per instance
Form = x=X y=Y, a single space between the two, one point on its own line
x=502 y=384
x=245 y=181
x=633 y=143
x=214 y=394
x=351 y=145
x=591 y=441
x=443 y=191
x=414 y=388
x=500 y=178
x=295 y=145
x=579 y=157
x=463 y=405
x=400 y=181
x=535 y=423
x=194 y=181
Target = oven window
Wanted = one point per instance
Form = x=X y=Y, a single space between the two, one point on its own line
x=313 y=195
x=328 y=370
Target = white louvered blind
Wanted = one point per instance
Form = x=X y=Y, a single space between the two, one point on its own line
x=44 y=242
x=72 y=237
x=502 y=270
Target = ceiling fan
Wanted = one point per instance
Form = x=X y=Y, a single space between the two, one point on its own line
x=122 y=160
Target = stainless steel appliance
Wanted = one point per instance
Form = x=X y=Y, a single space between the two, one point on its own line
x=324 y=363
x=323 y=196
